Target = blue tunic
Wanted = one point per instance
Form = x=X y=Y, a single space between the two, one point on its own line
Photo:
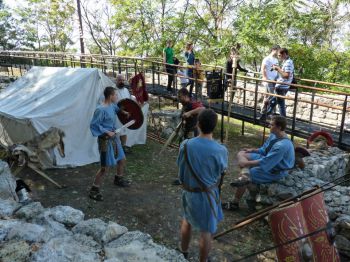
x=104 y=120
x=208 y=159
x=275 y=164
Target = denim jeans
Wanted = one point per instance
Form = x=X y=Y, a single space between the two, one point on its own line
x=278 y=101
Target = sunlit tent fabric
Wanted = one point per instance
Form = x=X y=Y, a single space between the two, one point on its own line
x=54 y=97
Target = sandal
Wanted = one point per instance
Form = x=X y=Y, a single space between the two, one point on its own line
x=95 y=195
x=230 y=206
x=241 y=181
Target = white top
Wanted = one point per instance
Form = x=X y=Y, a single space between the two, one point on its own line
x=287 y=66
x=122 y=93
x=269 y=61
x=183 y=73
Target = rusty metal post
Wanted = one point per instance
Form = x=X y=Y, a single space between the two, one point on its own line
x=341 y=131
x=231 y=93
x=294 y=112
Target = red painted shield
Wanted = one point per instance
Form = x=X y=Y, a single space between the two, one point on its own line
x=134 y=110
x=288 y=223
x=316 y=217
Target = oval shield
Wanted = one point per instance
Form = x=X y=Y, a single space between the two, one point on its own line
x=134 y=110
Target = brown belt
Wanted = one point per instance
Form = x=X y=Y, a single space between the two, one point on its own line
x=103 y=144
x=198 y=189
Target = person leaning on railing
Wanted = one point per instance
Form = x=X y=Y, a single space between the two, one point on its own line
x=269 y=74
x=199 y=75
x=190 y=57
x=234 y=54
x=168 y=58
x=285 y=75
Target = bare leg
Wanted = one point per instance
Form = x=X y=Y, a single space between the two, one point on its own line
x=121 y=167
x=123 y=139
x=185 y=235
x=99 y=176
x=242 y=155
x=239 y=193
x=204 y=246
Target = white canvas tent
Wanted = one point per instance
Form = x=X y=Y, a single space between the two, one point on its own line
x=54 y=97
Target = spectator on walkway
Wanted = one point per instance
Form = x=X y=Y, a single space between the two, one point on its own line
x=234 y=54
x=268 y=73
x=189 y=56
x=285 y=75
x=182 y=73
x=168 y=58
x=199 y=76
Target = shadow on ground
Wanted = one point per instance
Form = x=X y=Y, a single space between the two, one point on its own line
x=152 y=204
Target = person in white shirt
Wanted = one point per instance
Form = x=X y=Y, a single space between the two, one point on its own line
x=122 y=93
x=269 y=74
x=182 y=73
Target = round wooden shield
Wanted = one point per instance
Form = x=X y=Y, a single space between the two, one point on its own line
x=134 y=110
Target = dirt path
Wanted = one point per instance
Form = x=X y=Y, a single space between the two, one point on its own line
x=152 y=204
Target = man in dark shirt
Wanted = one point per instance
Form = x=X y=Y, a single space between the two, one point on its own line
x=189 y=56
x=233 y=54
x=190 y=111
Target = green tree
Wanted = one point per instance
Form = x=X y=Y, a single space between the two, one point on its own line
x=50 y=22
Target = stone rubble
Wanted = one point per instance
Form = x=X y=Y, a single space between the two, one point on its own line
x=165 y=121
x=320 y=114
x=321 y=166
x=60 y=234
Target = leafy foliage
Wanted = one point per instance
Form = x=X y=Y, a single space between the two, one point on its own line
x=313 y=31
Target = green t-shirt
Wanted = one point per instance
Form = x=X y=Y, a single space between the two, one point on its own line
x=169 y=54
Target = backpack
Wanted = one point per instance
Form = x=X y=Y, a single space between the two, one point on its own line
x=294 y=81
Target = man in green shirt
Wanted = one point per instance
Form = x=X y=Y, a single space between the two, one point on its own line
x=168 y=59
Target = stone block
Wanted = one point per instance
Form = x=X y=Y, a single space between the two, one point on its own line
x=63 y=249
x=113 y=231
x=30 y=211
x=95 y=228
x=8 y=207
x=52 y=227
x=15 y=251
x=342 y=243
x=6 y=226
x=137 y=246
x=26 y=231
x=7 y=183
x=66 y=215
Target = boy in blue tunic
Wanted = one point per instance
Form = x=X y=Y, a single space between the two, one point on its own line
x=103 y=125
x=201 y=162
x=266 y=164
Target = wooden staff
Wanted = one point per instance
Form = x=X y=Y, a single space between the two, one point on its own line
x=171 y=137
x=264 y=212
x=232 y=93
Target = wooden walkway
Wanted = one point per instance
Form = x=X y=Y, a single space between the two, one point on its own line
x=301 y=128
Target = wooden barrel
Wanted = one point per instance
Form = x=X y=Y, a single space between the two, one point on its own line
x=316 y=217
x=287 y=223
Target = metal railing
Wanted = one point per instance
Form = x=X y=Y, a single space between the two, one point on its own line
x=21 y=61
